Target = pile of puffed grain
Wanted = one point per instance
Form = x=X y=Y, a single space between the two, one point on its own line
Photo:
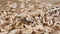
x=30 y=17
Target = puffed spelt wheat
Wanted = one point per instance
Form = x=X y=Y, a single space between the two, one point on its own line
x=3 y=33
x=29 y=17
x=46 y=33
x=15 y=31
x=14 y=5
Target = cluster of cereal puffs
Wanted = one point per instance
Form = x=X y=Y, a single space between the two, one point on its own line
x=29 y=17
